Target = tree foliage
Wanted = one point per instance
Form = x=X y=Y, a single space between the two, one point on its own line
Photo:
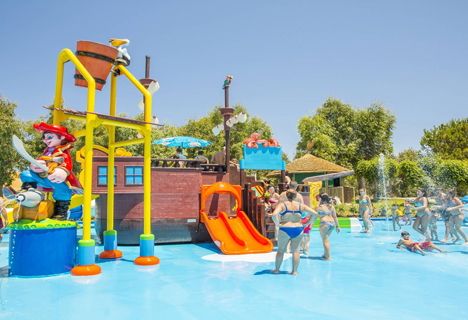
x=448 y=141
x=345 y=135
x=9 y=125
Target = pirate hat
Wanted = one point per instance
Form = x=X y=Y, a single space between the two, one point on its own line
x=54 y=128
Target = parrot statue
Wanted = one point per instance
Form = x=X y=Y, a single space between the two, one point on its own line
x=227 y=82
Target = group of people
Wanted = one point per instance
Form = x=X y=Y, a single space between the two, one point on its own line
x=293 y=220
x=218 y=158
x=448 y=207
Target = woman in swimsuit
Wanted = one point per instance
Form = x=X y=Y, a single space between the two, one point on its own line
x=422 y=213
x=271 y=199
x=441 y=199
x=365 y=208
x=454 y=206
x=328 y=222
x=288 y=217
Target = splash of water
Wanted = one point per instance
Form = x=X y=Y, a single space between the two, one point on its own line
x=383 y=185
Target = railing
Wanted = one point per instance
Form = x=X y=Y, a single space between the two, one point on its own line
x=186 y=163
x=254 y=210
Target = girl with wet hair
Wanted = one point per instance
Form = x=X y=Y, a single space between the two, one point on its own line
x=328 y=222
x=288 y=217
x=422 y=213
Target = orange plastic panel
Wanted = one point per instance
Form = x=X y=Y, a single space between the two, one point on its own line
x=221 y=188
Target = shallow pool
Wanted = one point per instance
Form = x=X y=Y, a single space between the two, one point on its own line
x=367 y=278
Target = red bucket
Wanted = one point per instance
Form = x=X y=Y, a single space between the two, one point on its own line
x=98 y=59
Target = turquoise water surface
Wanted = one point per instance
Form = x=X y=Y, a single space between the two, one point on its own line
x=368 y=278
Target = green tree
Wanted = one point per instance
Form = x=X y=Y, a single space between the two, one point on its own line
x=345 y=135
x=410 y=177
x=448 y=141
x=202 y=128
x=453 y=174
x=408 y=154
x=369 y=170
x=9 y=126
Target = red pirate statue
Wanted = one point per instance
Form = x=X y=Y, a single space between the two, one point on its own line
x=59 y=178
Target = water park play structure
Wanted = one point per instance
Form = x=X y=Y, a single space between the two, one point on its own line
x=186 y=204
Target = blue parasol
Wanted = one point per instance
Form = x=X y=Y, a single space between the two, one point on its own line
x=183 y=142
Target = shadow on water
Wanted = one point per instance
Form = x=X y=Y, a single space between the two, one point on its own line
x=268 y=272
x=311 y=258
x=208 y=246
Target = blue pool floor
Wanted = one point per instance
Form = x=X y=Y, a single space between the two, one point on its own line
x=368 y=278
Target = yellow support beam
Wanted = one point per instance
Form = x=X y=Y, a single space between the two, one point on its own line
x=126 y=142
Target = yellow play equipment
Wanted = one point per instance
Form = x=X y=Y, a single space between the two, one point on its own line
x=86 y=246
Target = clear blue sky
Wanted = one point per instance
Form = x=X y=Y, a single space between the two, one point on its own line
x=286 y=57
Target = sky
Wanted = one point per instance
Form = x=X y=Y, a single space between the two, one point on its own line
x=286 y=57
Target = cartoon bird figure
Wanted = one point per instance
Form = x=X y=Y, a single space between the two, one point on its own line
x=227 y=82
x=123 y=58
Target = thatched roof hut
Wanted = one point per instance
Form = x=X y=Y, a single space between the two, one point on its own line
x=309 y=166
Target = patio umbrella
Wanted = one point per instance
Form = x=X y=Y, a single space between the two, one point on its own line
x=183 y=142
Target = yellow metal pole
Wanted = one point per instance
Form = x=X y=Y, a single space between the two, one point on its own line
x=62 y=58
x=111 y=158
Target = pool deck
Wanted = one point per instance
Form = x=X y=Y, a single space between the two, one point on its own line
x=368 y=278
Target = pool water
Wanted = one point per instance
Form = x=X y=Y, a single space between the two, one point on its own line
x=367 y=278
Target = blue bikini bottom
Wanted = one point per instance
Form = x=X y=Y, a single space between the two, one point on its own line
x=292 y=232
x=330 y=224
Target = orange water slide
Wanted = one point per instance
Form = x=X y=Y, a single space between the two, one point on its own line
x=236 y=235
x=233 y=235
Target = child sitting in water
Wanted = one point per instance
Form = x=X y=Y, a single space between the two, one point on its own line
x=395 y=216
x=414 y=246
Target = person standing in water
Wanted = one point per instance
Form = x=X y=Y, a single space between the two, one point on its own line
x=365 y=208
x=288 y=217
x=441 y=199
x=455 y=207
x=408 y=213
x=422 y=213
x=328 y=222
x=395 y=216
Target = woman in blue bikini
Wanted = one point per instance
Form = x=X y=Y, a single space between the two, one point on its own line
x=328 y=222
x=422 y=213
x=288 y=217
x=455 y=209
x=365 y=209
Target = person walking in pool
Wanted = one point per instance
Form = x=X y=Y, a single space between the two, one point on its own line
x=414 y=246
x=441 y=199
x=328 y=222
x=395 y=216
x=455 y=207
x=288 y=217
x=365 y=208
x=422 y=213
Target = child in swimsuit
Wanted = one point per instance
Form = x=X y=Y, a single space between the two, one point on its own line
x=433 y=225
x=306 y=238
x=415 y=246
x=365 y=209
x=395 y=216
x=408 y=213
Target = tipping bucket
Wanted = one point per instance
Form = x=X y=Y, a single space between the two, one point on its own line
x=98 y=59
